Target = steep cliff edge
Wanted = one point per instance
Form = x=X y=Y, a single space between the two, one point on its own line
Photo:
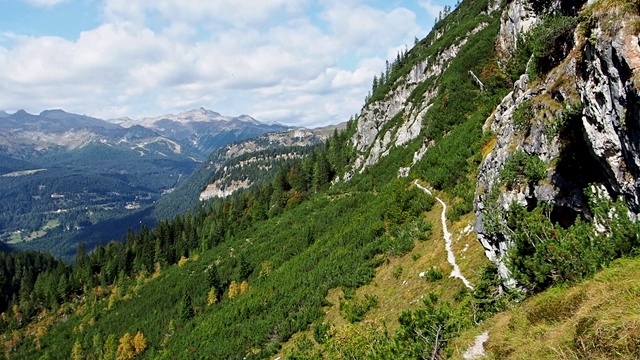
x=577 y=122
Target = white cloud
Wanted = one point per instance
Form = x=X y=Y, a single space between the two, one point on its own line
x=369 y=29
x=227 y=12
x=432 y=8
x=45 y=3
x=272 y=59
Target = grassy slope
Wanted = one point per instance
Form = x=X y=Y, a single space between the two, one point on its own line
x=349 y=242
x=398 y=293
x=596 y=319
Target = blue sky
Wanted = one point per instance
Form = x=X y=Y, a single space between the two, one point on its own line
x=298 y=62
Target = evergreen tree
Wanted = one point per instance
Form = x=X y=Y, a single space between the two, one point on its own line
x=126 y=350
x=213 y=279
x=322 y=173
x=97 y=345
x=212 y=297
x=139 y=342
x=245 y=268
x=244 y=287
x=387 y=71
x=187 y=313
x=233 y=289
x=110 y=348
x=76 y=351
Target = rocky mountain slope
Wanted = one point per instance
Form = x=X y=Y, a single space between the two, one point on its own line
x=580 y=119
x=575 y=108
x=241 y=165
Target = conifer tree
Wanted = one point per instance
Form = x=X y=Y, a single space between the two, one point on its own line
x=139 y=343
x=110 y=348
x=212 y=297
x=387 y=70
x=187 y=313
x=213 y=279
x=76 y=351
x=233 y=289
x=244 y=287
x=245 y=268
x=97 y=345
x=126 y=350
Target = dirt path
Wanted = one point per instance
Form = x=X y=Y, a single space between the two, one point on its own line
x=451 y=258
x=476 y=351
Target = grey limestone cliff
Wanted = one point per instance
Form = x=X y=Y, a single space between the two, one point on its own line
x=583 y=123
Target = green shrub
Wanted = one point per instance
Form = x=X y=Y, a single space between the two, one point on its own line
x=545 y=45
x=397 y=272
x=544 y=253
x=354 y=310
x=425 y=332
x=522 y=168
x=434 y=274
x=523 y=115
x=320 y=332
x=489 y=295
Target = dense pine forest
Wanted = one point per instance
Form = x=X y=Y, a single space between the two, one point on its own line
x=337 y=256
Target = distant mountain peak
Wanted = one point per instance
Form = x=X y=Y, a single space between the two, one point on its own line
x=200 y=114
x=3 y=114
x=53 y=112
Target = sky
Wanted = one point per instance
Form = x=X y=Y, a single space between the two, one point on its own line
x=298 y=62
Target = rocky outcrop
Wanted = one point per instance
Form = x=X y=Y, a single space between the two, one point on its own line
x=374 y=138
x=517 y=19
x=597 y=142
x=216 y=189
x=611 y=118
x=241 y=165
x=369 y=140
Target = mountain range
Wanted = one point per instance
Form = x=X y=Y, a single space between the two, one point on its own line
x=64 y=175
x=203 y=129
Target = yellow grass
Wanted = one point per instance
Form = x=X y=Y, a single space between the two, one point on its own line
x=597 y=319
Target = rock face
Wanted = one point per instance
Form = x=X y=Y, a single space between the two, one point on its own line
x=229 y=168
x=583 y=123
x=517 y=19
x=376 y=134
x=611 y=118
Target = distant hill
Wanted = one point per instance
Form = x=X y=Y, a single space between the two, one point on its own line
x=63 y=174
x=241 y=165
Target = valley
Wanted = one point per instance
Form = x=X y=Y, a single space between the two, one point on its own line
x=83 y=173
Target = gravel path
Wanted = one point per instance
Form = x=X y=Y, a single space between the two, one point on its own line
x=476 y=351
x=451 y=258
